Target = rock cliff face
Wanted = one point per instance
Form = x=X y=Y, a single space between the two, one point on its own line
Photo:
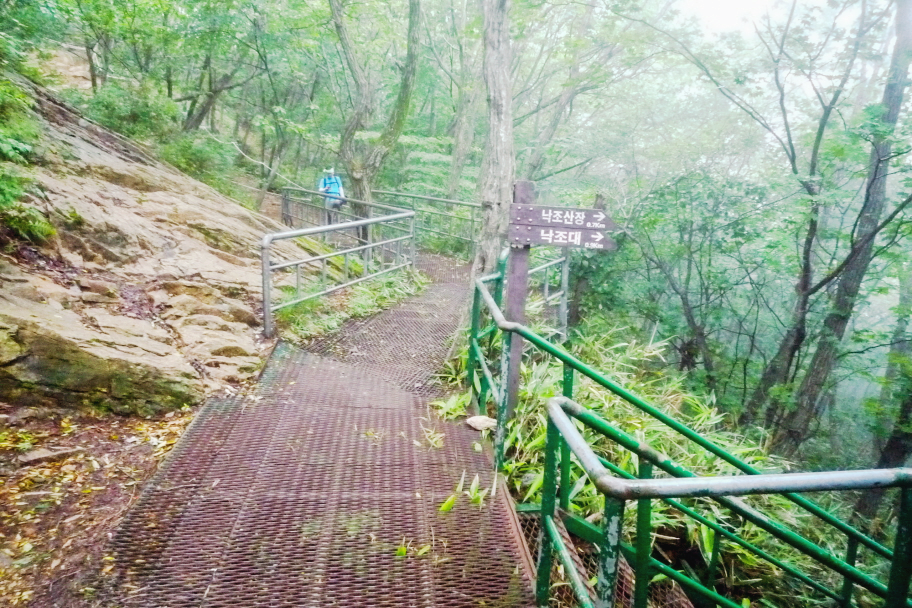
x=148 y=296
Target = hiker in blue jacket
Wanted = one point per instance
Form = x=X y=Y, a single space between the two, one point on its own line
x=331 y=185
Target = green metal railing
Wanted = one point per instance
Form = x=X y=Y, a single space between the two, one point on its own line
x=619 y=486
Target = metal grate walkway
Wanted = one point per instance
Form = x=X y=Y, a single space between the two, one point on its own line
x=323 y=488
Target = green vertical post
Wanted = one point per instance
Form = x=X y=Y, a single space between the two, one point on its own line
x=901 y=571
x=710 y=582
x=549 y=488
x=851 y=557
x=483 y=397
x=473 y=336
x=499 y=286
x=609 y=552
x=567 y=391
x=643 y=543
x=500 y=431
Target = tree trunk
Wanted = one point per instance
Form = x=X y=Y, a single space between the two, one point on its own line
x=897 y=449
x=796 y=425
x=463 y=136
x=498 y=167
x=273 y=171
x=362 y=165
x=93 y=70
x=900 y=350
x=895 y=402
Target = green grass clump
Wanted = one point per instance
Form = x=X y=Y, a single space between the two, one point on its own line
x=319 y=316
x=19 y=133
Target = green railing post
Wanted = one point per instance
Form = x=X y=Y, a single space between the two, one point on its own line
x=502 y=272
x=609 y=552
x=500 y=431
x=851 y=556
x=549 y=487
x=901 y=571
x=473 y=337
x=713 y=562
x=643 y=543
x=567 y=391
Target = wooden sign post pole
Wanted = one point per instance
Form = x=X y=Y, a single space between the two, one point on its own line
x=515 y=305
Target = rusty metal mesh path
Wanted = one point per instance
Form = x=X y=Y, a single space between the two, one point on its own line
x=307 y=492
x=407 y=344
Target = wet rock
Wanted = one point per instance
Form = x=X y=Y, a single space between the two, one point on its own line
x=74 y=332
x=42 y=455
x=23 y=414
x=97 y=298
x=481 y=423
x=105 y=288
x=50 y=357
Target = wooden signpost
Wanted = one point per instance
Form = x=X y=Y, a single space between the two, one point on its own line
x=530 y=225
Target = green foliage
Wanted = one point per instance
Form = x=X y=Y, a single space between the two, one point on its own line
x=200 y=156
x=24 y=24
x=18 y=134
x=18 y=130
x=319 y=316
x=138 y=112
x=18 y=219
x=628 y=362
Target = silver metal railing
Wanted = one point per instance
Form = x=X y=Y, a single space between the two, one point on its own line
x=379 y=253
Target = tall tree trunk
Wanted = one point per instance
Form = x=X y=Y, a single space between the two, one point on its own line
x=93 y=70
x=895 y=400
x=463 y=135
x=900 y=350
x=277 y=157
x=796 y=425
x=498 y=167
x=363 y=164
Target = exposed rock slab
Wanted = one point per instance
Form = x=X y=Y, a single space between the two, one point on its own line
x=149 y=295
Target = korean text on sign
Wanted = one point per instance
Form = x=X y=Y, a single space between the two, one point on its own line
x=561 y=237
x=567 y=218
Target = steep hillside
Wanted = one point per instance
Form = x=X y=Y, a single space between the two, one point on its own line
x=148 y=295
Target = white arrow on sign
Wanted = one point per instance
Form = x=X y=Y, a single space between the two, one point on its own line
x=598 y=236
x=599 y=216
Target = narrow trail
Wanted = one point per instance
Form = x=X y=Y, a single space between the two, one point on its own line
x=323 y=488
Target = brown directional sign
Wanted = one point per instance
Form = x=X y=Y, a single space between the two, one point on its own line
x=560 y=237
x=561 y=217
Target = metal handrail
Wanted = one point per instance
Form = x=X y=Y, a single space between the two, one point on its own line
x=268 y=268
x=345 y=198
x=561 y=409
x=464 y=234
x=578 y=365
x=736 y=484
x=429 y=198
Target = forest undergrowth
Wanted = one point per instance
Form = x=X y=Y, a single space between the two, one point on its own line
x=313 y=318
x=685 y=543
